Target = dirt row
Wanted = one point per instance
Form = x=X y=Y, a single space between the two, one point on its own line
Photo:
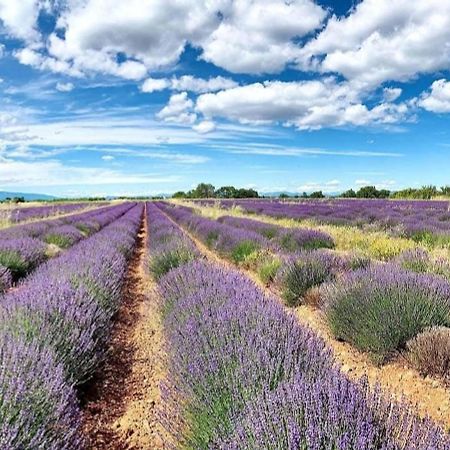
x=120 y=404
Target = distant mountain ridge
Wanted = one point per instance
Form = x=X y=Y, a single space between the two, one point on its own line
x=27 y=196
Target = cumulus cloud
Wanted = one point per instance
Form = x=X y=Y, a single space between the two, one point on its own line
x=381 y=40
x=304 y=104
x=438 y=99
x=20 y=18
x=257 y=36
x=251 y=36
x=178 y=110
x=188 y=83
x=155 y=84
x=64 y=87
x=206 y=126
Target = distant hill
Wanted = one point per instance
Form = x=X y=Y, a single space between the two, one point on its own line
x=27 y=196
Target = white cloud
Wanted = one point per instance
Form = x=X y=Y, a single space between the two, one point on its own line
x=178 y=110
x=391 y=94
x=250 y=36
x=385 y=184
x=108 y=158
x=64 y=87
x=327 y=186
x=304 y=104
x=438 y=100
x=20 y=17
x=188 y=83
x=204 y=127
x=155 y=84
x=382 y=40
x=199 y=85
x=54 y=173
x=256 y=36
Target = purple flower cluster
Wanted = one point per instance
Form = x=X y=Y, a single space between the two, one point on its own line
x=287 y=239
x=36 y=212
x=63 y=310
x=417 y=219
x=63 y=236
x=21 y=255
x=234 y=243
x=23 y=247
x=300 y=272
x=38 y=409
x=380 y=308
x=169 y=247
x=244 y=374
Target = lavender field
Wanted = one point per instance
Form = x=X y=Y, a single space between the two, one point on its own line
x=232 y=362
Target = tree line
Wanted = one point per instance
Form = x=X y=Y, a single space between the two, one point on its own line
x=206 y=190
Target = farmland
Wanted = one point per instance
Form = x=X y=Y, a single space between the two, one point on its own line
x=248 y=324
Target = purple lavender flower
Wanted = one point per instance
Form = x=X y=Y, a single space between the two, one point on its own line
x=38 y=409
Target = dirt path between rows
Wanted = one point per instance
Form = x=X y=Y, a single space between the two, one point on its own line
x=429 y=396
x=120 y=404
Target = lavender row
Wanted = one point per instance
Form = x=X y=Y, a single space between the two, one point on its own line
x=234 y=243
x=23 y=248
x=36 y=212
x=53 y=333
x=243 y=374
x=168 y=245
x=286 y=239
x=421 y=220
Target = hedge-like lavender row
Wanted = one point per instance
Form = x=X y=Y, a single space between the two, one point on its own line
x=169 y=247
x=243 y=374
x=234 y=243
x=293 y=274
x=421 y=220
x=35 y=212
x=22 y=248
x=59 y=320
x=287 y=239
x=380 y=308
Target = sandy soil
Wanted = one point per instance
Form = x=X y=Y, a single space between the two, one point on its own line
x=429 y=396
x=121 y=402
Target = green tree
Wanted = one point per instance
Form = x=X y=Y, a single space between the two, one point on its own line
x=179 y=194
x=317 y=194
x=203 y=190
x=349 y=194
x=226 y=192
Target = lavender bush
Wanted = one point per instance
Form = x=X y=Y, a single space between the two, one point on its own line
x=38 y=409
x=68 y=303
x=380 y=308
x=429 y=352
x=301 y=272
x=243 y=374
x=424 y=221
x=331 y=413
x=63 y=236
x=234 y=243
x=23 y=247
x=287 y=239
x=169 y=247
x=21 y=255
x=226 y=348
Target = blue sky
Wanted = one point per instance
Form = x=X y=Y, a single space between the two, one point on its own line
x=148 y=96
